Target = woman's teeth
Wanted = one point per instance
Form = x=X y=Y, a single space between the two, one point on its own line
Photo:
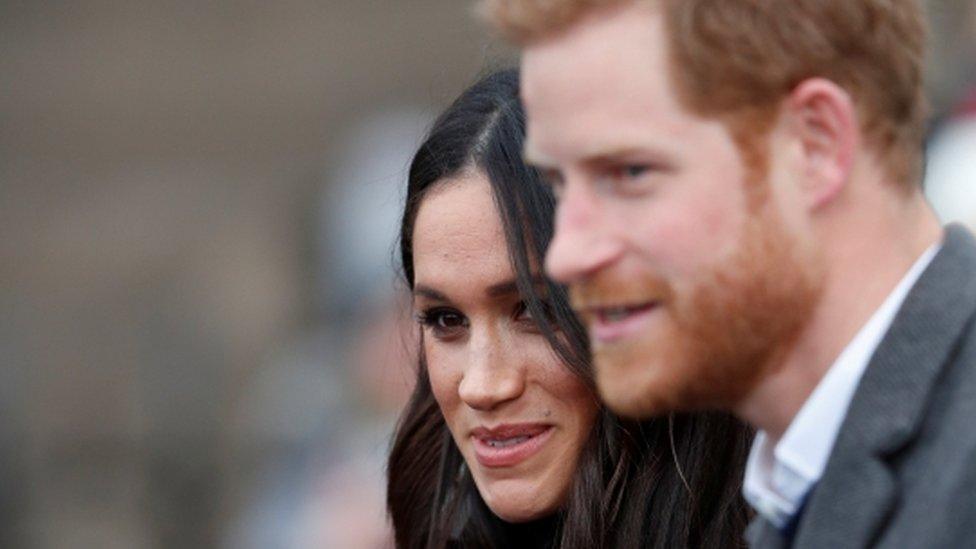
x=502 y=443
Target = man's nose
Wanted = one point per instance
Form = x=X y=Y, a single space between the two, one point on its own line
x=583 y=241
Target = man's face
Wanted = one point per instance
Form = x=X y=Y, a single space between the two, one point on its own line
x=677 y=254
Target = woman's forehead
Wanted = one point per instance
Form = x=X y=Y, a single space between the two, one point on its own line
x=458 y=232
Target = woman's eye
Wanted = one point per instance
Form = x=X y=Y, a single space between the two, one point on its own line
x=443 y=322
x=522 y=313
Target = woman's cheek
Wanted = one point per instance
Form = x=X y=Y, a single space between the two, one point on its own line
x=444 y=378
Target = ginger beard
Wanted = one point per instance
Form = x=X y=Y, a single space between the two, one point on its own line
x=713 y=336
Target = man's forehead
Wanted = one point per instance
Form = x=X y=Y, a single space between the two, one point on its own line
x=635 y=23
x=600 y=88
x=599 y=58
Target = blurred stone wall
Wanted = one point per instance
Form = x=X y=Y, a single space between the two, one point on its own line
x=158 y=161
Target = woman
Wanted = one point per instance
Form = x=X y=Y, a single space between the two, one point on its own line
x=503 y=442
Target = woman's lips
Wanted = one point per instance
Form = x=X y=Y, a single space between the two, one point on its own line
x=508 y=445
x=611 y=324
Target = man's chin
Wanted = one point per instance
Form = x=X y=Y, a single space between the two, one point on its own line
x=629 y=391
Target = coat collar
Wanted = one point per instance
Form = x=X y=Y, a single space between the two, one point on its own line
x=858 y=488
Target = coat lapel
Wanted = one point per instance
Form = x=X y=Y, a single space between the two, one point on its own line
x=858 y=489
x=763 y=535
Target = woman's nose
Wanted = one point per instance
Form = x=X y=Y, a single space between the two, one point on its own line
x=492 y=376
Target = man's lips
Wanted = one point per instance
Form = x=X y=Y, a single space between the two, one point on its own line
x=612 y=323
x=510 y=444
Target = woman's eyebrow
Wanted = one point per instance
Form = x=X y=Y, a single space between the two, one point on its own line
x=428 y=292
x=511 y=286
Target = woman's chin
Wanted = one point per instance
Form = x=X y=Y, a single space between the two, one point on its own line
x=516 y=505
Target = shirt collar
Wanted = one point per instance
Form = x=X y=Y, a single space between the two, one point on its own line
x=778 y=478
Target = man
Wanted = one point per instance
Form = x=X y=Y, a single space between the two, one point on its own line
x=741 y=227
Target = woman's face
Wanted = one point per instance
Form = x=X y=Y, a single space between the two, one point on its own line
x=518 y=415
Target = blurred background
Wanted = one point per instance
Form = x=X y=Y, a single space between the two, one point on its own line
x=202 y=342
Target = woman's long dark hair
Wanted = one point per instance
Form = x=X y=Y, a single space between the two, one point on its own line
x=669 y=482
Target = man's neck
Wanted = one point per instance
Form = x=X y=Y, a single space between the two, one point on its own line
x=864 y=264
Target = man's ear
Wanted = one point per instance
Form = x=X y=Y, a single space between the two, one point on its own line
x=823 y=120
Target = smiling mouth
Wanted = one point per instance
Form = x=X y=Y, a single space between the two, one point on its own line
x=614 y=323
x=506 y=443
x=509 y=445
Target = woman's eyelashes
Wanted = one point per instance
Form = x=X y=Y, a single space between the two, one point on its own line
x=523 y=314
x=449 y=323
x=443 y=322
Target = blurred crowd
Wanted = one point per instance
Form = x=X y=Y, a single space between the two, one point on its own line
x=205 y=343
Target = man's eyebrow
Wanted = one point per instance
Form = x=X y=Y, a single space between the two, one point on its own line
x=612 y=154
x=597 y=156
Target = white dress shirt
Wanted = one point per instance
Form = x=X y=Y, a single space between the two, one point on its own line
x=778 y=478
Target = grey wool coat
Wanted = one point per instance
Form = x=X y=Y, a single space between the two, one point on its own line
x=902 y=472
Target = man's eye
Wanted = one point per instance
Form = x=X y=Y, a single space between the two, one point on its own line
x=629 y=172
x=627 y=179
x=634 y=171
